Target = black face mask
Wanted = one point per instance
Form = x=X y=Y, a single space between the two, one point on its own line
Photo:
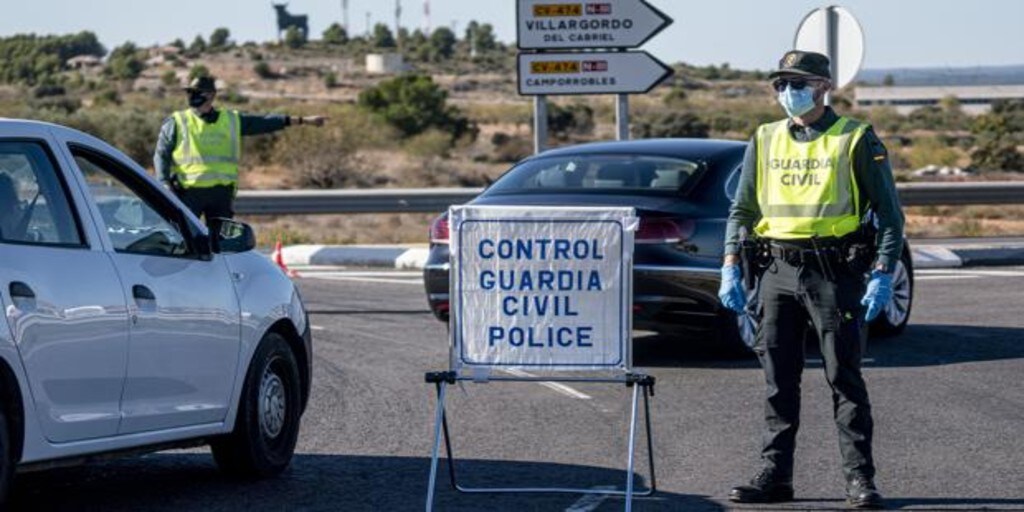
x=196 y=99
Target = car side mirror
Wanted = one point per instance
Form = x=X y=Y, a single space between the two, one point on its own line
x=235 y=237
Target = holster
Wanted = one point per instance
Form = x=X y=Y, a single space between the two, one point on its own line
x=860 y=249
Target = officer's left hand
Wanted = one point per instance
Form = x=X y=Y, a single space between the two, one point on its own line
x=878 y=294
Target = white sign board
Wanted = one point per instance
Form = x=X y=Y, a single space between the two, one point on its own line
x=554 y=24
x=543 y=288
x=589 y=73
x=835 y=32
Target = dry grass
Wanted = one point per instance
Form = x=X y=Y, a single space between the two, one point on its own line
x=342 y=229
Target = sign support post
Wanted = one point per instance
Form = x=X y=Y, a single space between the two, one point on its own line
x=540 y=123
x=622 y=117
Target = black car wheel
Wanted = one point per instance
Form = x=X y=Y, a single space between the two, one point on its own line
x=267 y=425
x=893 y=319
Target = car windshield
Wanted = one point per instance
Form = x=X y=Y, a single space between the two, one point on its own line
x=599 y=173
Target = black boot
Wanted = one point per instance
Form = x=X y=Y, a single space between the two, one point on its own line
x=767 y=487
x=862 y=493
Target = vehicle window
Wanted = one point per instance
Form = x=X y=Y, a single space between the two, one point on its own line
x=134 y=223
x=34 y=204
x=732 y=183
x=637 y=174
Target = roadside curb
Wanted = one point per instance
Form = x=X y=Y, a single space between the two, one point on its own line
x=415 y=256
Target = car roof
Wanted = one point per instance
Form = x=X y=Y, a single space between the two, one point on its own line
x=677 y=148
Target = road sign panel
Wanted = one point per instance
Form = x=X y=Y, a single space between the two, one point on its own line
x=589 y=73
x=561 y=24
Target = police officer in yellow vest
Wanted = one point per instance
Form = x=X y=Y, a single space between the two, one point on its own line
x=806 y=185
x=198 y=150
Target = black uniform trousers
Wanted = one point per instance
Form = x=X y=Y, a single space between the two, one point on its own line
x=793 y=293
x=210 y=203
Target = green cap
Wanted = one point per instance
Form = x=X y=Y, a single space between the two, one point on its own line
x=202 y=84
x=798 y=62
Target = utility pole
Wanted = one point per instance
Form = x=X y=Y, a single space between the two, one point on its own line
x=369 y=32
x=426 y=18
x=398 y=19
x=344 y=17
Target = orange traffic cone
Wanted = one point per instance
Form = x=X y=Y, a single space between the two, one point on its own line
x=278 y=258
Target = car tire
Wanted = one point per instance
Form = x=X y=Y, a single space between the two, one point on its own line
x=269 y=409
x=894 y=317
x=7 y=462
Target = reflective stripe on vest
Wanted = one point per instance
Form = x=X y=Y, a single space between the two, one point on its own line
x=807 y=189
x=207 y=153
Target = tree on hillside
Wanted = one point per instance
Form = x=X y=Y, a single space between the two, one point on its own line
x=335 y=34
x=442 y=43
x=219 y=39
x=124 y=62
x=382 y=36
x=198 y=45
x=179 y=44
x=32 y=59
x=481 y=36
x=293 y=38
x=414 y=104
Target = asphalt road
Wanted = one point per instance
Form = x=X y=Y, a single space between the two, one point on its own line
x=948 y=404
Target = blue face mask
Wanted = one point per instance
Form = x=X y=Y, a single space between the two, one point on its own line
x=796 y=102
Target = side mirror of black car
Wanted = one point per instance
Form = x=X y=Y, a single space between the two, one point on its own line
x=235 y=237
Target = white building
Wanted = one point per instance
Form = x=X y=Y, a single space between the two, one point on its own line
x=974 y=99
x=385 y=63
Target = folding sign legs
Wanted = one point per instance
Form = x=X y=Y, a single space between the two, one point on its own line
x=640 y=383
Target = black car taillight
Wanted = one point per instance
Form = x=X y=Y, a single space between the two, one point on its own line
x=439 y=232
x=662 y=230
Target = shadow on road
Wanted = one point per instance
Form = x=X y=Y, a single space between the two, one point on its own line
x=919 y=345
x=932 y=345
x=190 y=481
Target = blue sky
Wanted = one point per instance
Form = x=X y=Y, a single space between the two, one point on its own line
x=748 y=34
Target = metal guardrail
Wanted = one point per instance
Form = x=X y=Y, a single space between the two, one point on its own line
x=435 y=200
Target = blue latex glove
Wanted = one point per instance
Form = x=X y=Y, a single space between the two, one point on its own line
x=879 y=294
x=731 y=292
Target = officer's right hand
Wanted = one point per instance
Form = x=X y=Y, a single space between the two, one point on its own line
x=731 y=292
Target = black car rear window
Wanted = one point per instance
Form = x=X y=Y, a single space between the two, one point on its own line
x=599 y=173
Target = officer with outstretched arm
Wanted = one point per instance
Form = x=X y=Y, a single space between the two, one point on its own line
x=806 y=186
x=198 y=150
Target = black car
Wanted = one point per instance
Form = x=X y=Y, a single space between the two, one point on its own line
x=681 y=189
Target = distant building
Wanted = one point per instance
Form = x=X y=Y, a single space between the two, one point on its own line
x=974 y=99
x=84 y=61
x=385 y=63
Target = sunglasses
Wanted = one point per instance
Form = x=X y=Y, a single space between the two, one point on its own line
x=794 y=83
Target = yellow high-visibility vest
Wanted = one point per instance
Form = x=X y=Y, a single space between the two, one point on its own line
x=207 y=153
x=807 y=189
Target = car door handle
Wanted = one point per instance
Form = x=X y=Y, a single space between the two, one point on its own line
x=142 y=293
x=20 y=290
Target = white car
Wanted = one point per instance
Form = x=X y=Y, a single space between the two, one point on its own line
x=126 y=326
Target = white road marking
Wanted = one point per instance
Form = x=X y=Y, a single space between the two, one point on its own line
x=418 y=282
x=317 y=327
x=944 y=277
x=554 y=386
x=358 y=273
x=590 y=502
x=818 y=360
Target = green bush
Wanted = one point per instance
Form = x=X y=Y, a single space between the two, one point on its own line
x=293 y=38
x=576 y=119
x=331 y=80
x=125 y=63
x=335 y=34
x=431 y=143
x=262 y=70
x=220 y=39
x=413 y=104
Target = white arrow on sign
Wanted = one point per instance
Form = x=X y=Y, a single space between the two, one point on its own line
x=589 y=73
x=562 y=24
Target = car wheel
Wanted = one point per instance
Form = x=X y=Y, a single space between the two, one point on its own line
x=894 y=317
x=267 y=425
x=6 y=461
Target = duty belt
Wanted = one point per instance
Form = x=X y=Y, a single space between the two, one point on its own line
x=797 y=256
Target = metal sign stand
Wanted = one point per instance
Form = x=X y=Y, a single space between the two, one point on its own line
x=634 y=380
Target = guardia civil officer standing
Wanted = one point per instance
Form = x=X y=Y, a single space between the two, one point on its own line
x=805 y=186
x=198 y=150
